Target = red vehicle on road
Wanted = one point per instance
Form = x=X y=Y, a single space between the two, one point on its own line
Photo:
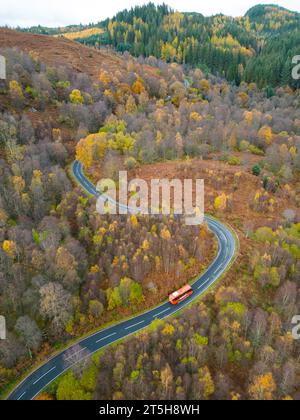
x=181 y=295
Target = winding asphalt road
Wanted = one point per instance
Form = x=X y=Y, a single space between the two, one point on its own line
x=56 y=366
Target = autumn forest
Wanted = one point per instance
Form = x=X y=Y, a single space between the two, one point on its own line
x=210 y=98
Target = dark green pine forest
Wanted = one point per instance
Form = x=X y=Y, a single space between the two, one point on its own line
x=257 y=47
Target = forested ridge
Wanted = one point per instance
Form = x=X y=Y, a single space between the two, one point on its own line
x=257 y=47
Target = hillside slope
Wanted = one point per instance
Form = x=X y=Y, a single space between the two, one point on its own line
x=273 y=18
x=257 y=47
x=61 y=51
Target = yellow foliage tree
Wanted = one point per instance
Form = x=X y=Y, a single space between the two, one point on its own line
x=131 y=105
x=248 y=115
x=146 y=245
x=168 y=52
x=108 y=93
x=194 y=116
x=293 y=151
x=95 y=269
x=221 y=202
x=15 y=90
x=266 y=134
x=138 y=87
x=165 y=234
x=244 y=98
x=91 y=149
x=56 y=133
x=121 y=142
x=263 y=387
x=19 y=184
x=104 y=78
x=179 y=144
x=157 y=263
x=76 y=97
x=207 y=382
x=168 y=330
x=134 y=221
x=205 y=85
x=235 y=396
x=10 y=249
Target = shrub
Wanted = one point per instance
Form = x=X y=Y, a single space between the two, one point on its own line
x=31 y=92
x=244 y=145
x=264 y=235
x=256 y=151
x=131 y=163
x=234 y=161
x=256 y=170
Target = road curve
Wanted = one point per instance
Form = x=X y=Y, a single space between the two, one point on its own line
x=53 y=368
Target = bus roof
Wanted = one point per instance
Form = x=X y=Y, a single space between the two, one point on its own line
x=181 y=292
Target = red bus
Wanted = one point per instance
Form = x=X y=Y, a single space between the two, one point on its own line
x=180 y=295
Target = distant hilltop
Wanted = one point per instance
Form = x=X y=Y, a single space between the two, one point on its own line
x=257 y=47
